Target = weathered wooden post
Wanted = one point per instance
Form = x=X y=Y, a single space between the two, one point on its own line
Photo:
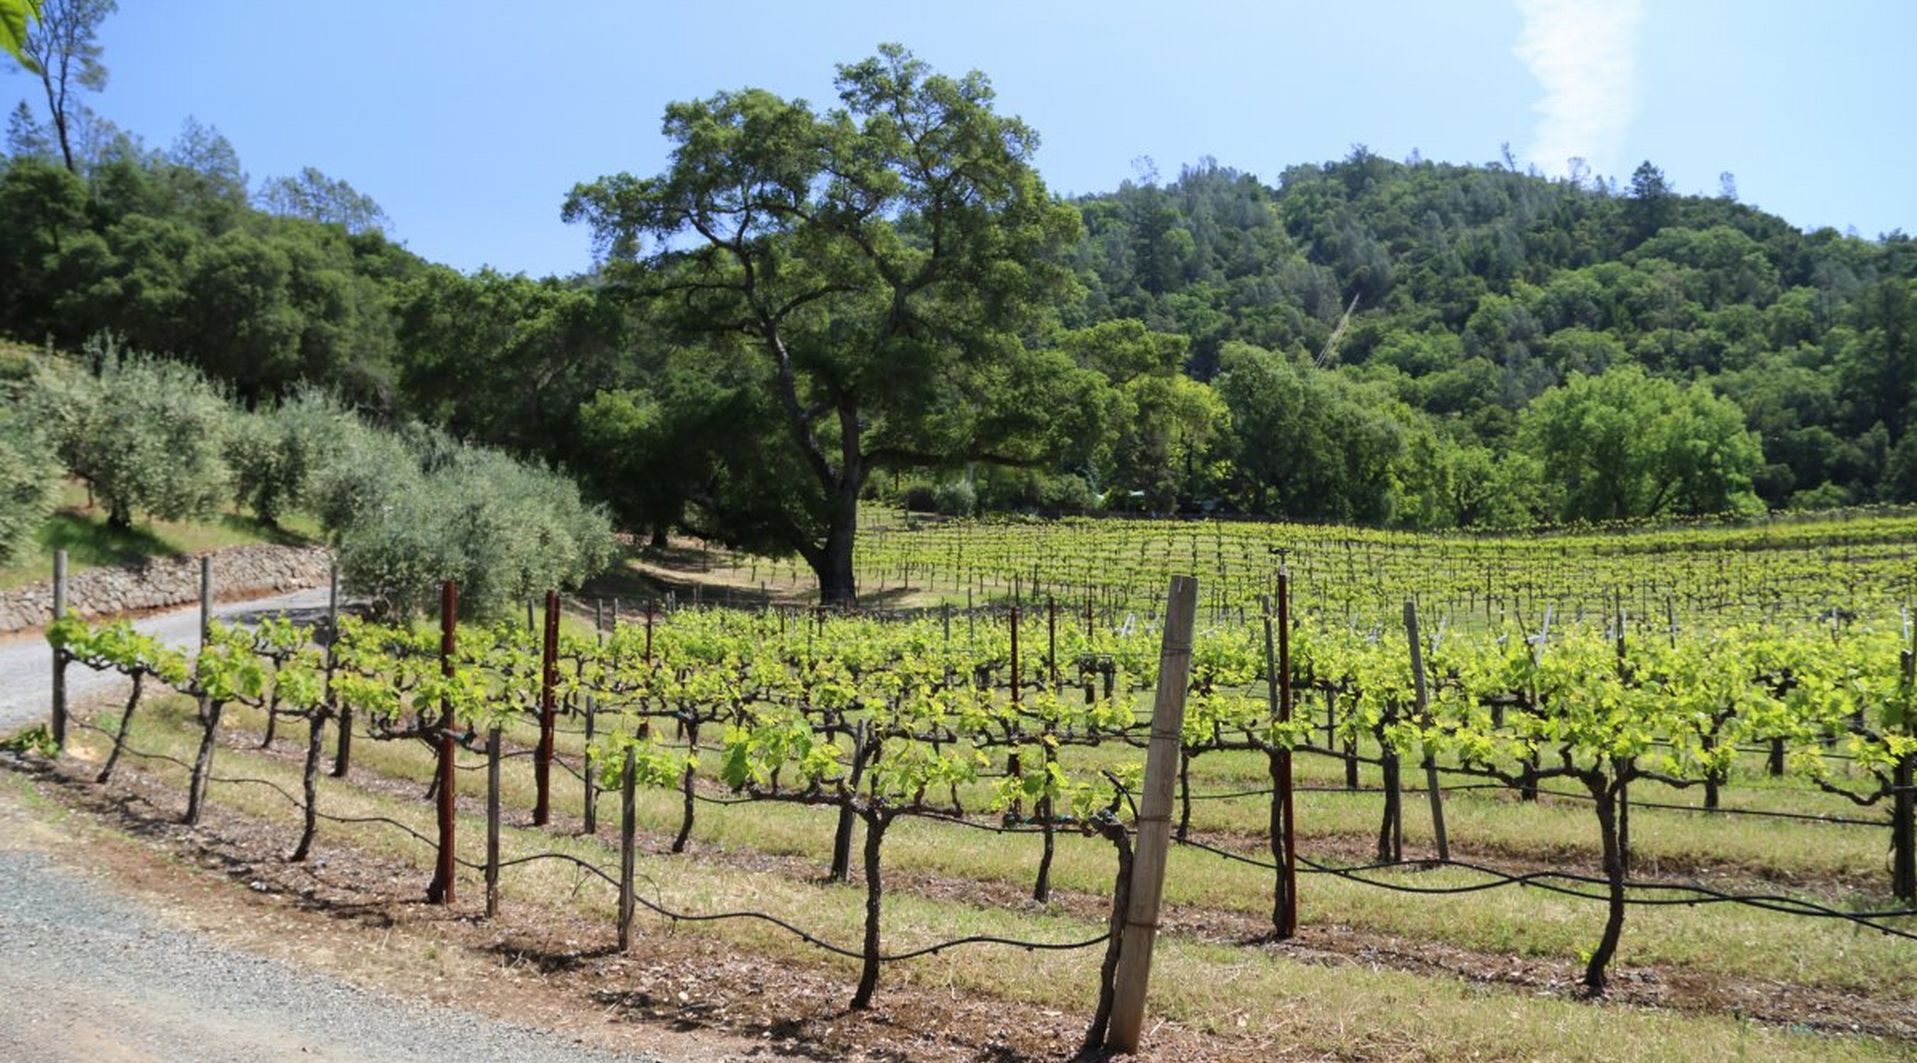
x=1014 y=622
x=492 y=821
x=1154 y=819
x=206 y=612
x=1423 y=706
x=210 y=710
x=1051 y=640
x=442 y=889
x=1903 y=809
x=627 y=826
x=59 y=723
x=343 y=750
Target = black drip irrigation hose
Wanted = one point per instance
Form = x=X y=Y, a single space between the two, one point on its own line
x=661 y=910
x=1549 y=881
x=1808 y=817
x=1546 y=880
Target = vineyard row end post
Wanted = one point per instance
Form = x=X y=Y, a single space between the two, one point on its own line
x=628 y=822
x=206 y=614
x=59 y=722
x=1423 y=706
x=1154 y=818
x=492 y=821
x=442 y=889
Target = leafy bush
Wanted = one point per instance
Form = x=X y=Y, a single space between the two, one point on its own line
x=955 y=498
x=148 y=434
x=407 y=509
x=504 y=529
x=255 y=454
x=29 y=485
x=277 y=456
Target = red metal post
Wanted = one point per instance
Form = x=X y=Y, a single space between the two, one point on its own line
x=441 y=891
x=548 y=676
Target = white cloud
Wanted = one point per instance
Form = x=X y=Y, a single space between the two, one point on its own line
x=1583 y=54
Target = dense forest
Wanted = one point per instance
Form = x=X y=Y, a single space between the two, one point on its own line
x=1412 y=343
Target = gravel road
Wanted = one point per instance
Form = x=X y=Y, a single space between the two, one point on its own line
x=26 y=663
x=90 y=976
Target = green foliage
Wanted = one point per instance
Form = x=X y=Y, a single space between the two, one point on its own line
x=146 y=433
x=875 y=259
x=316 y=197
x=162 y=248
x=58 y=42
x=504 y=530
x=1626 y=445
x=30 y=478
x=955 y=498
x=34 y=741
x=867 y=261
x=289 y=456
x=15 y=18
x=1309 y=444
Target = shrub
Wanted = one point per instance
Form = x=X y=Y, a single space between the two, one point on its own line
x=147 y=434
x=504 y=529
x=277 y=456
x=29 y=485
x=955 y=498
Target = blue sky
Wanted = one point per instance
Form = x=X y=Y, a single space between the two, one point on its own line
x=468 y=121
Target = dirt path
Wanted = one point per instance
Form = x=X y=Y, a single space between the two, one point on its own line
x=93 y=974
x=26 y=663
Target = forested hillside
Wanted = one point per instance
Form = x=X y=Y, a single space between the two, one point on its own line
x=1476 y=289
x=1416 y=344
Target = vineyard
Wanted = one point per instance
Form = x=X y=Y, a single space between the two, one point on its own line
x=1705 y=776
x=1860 y=563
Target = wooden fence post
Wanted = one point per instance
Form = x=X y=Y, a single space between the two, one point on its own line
x=1423 y=706
x=1903 y=809
x=210 y=710
x=206 y=611
x=1154 y=819
x=59 y=655
x=627 y=824
x=343 y=750
x=1014 y=622
x=442 y=889
x=492 y=821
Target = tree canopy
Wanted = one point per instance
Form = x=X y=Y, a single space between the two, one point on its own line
x=810 y=308
x=868 y=264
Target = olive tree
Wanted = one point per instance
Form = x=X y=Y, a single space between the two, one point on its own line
x=147 y=434
x=504 y=529
x=29 y=485
x=277 y=455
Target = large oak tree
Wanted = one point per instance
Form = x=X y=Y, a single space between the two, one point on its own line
x=871 y=272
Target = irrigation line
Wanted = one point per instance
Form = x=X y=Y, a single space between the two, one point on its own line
x=1541 y=880
x=1545 y=880
x=675 y=916
x=1810 y=817
x=811 y=939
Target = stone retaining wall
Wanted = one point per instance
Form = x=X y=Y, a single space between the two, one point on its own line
x=167 y=582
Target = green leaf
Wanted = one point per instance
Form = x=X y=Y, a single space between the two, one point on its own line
x=14 y=17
